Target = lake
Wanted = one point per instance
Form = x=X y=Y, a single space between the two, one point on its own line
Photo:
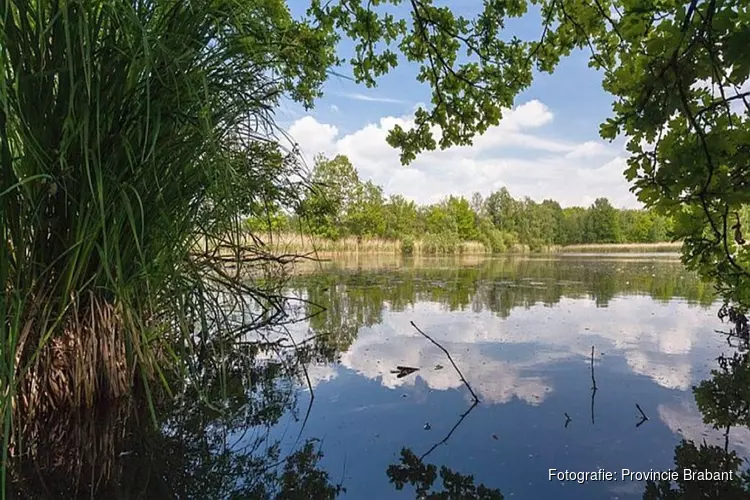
x=522 y=331
x=579 y=363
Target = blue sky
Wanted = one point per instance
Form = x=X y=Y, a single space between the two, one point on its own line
x=547 y=146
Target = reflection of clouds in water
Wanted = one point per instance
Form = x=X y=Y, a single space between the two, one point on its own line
x=669 y=372
x=321 y=373
x=654 y=339
x=495 y=381
x=686 y=420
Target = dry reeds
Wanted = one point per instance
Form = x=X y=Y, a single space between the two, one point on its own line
x=84 y=363
x=291 y=243
x=666 y=247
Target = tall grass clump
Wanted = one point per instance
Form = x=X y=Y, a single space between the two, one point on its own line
x=407 y=245
x=442 y=243
x=135 y=137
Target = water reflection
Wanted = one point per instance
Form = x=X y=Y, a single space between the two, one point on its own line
x=724 y=403
x=413 y=471
x=573 y=295
x=521 y=331
x=208 y=443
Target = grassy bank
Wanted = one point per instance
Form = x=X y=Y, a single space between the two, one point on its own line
x=624 y=248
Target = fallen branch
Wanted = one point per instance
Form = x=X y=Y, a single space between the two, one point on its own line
x=476 y=399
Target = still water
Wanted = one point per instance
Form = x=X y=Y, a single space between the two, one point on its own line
x=522 y=331
x=580 y=363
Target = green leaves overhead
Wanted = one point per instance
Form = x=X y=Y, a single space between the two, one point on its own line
x=472 y=72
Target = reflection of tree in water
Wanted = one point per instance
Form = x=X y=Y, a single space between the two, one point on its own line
x=455 y=486
x=724 y=402
x=209 y=443
x=701 y=458
x=354 y=299
x=339 y=308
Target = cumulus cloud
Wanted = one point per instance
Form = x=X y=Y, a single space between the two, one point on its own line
x=513 y=154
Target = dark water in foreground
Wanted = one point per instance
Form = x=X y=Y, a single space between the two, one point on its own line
x=521 y=331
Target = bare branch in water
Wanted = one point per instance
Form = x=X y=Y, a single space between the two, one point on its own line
x=473 y=394
x=643 y=416
x=450 y=433
x=593 y=386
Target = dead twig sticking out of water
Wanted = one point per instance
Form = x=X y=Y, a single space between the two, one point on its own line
x=593 y=386
x=643 y=416
x=450 y=433
x=476 y=399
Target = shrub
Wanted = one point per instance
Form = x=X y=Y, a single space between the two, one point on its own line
x=407 y=245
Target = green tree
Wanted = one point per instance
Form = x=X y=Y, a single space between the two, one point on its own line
x=477 y=204
x=660 y=228
x=438 y=219
x=364 y=216
x=602 y=223
x=503 y=210
x=400 y=217
x=573 y=226
x=464 y=217
x=335 y=187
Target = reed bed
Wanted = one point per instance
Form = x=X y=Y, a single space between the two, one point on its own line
x=664 y=247
x=132 y=134
x=295 y=243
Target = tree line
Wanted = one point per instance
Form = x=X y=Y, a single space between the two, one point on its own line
x=340 y=204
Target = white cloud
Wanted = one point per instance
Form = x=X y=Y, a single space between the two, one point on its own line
x=667 y=372
x=588 y=149
x=370 y=98
x=334 y=108
x=313 y=137
x=512 y=154
x=318 y=374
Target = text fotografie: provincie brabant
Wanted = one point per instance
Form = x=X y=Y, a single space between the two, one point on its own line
x=629 y=475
